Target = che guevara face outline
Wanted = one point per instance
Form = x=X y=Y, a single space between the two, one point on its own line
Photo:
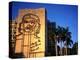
x=30 y=22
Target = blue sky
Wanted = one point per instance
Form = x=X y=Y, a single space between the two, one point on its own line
x=63 y=15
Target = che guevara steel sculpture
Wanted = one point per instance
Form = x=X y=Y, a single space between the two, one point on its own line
x=30 y=25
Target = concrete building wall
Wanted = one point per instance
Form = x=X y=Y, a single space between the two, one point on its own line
x=30 y=32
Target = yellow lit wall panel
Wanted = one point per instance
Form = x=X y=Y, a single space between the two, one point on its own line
x=31 y=31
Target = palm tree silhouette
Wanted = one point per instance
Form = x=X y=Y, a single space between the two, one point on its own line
x=67 y=38
x=58 y=35
x=75 y=48
x=52 y=37
x=60 y=32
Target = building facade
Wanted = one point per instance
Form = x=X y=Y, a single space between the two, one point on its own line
x=29 y=33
